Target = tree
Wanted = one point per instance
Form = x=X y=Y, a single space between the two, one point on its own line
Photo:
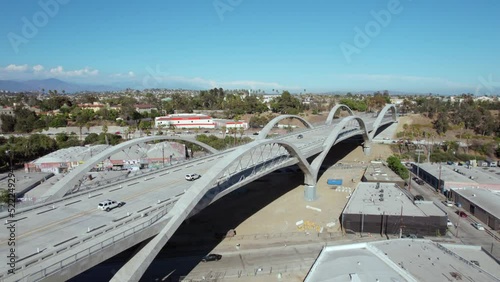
x=286 y=104
x=8 y=123
x=394 y=163
x=441 y=123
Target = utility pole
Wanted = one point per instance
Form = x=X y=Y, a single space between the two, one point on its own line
x=163 y=154
x=439 y=180
x=401 y=223
x=418 y=161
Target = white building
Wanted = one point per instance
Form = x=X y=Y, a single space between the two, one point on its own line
x=188 y=121
x=231 y=124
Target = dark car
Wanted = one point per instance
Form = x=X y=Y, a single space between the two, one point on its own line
x=300 y=136
x=418 y=198
x=461 y=213
x=211 y=257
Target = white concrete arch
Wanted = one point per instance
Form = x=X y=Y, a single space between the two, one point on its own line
x=136 y=266
x=269 y=126
x=380 y=117
x=73 y=178
x=334 y=110
x=330 y=142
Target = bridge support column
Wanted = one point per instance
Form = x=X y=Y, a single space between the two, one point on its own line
x=367 y=149
x=310 y=193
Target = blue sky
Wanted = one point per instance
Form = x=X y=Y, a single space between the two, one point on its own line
x=424 y=46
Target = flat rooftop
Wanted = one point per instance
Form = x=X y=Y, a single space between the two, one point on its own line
x=486 y=199
x=463 y=174
x=379 y=172
x=386 y=199
x=447 y=173
x=396 y=260
x=429 y=208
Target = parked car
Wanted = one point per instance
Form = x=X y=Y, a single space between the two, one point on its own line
x=461 y=214
x=192 y=176
x=108 y=205
x=300 y=136
x=211 y=257
x=478 y=226
x=418 y=198
x=419 y=181
x=448 y=203
x=449 y=223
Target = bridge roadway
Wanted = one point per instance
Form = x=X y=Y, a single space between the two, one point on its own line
x=51 y=237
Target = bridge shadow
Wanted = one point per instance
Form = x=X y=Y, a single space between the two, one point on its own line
x=200 y=234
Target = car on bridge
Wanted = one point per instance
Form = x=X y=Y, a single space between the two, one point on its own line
x=211 y=257
x=108 y=205
x=192 y=176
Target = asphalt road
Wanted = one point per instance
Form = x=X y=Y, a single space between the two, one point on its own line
x=44 y=230
x=462 y=229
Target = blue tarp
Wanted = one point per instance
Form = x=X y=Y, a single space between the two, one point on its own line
x=334 y=181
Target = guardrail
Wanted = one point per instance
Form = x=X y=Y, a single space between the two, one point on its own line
x=65 y=262
x=41 y=204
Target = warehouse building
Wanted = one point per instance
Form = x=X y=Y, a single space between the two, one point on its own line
x=455 y=176
x=379 y=172
x=403 y=260
x=185 y=121
x=384 y=208
x=483 y=204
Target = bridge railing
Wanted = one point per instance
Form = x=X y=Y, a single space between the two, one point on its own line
x=41 y=202
x=71 y=259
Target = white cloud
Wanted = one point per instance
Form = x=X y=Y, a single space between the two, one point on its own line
x=59 y=71
x=38 y=68
x=121 y=75
x=16 y=68
x=154 y=81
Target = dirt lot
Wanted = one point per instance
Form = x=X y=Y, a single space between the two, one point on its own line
x=282 y=214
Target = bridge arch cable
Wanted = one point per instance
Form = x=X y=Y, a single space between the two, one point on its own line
x=272 y=123
x=334 y=137
x=73 y=178
x=389 y=108
x=195 y=198
x=334 y=110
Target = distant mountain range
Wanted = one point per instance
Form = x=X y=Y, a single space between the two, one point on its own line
x=51 y=84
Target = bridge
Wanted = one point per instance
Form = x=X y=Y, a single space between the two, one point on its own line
x=67 y=234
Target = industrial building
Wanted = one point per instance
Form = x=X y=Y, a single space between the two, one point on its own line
x=483 y=204
x=384 y=208
x=379 y=172
x=455 y=176
x=185 y=121
x=149 y=155
x=403 y=260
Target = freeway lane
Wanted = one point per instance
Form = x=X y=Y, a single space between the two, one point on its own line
x=40 y=230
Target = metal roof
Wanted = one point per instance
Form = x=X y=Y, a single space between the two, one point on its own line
x=485 y=199
x=395 y=260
